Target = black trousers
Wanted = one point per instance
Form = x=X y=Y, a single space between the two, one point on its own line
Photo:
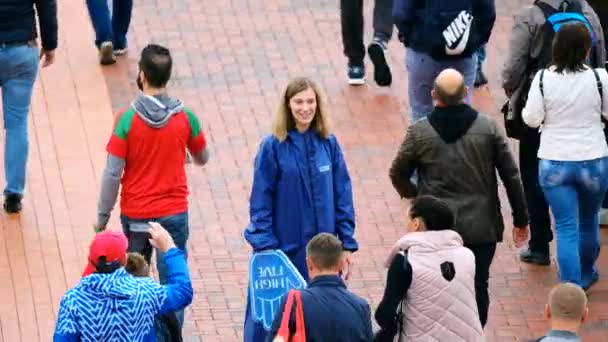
x=484 y=254
x=351 y=17
x=538 y=209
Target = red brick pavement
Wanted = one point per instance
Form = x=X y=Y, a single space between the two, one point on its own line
x=232 y=58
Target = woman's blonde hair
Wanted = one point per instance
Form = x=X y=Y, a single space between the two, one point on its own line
x=284 y=121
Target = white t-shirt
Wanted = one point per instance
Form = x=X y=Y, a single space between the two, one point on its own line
x=570 y=115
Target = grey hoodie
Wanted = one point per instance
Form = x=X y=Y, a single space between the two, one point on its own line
x=156 y=111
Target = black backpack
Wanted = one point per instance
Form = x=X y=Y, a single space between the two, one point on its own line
x=568 y=11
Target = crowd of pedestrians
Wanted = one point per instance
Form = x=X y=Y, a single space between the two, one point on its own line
x=301 y=199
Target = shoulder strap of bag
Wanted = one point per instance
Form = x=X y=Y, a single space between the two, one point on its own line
x=598 y=84
x=600 y=87
x=300 y=333
x=284 y=327
x=541 y=84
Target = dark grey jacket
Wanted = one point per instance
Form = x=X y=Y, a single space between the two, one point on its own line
x=526 y=41
x=457 y=153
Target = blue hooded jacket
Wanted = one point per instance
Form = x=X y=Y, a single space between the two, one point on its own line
x=120 y=307
x=301 y=187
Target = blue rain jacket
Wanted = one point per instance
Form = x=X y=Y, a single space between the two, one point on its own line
x=301 y=187
x=120 y=307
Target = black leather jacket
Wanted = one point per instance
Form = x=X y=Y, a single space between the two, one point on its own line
x=462 y=171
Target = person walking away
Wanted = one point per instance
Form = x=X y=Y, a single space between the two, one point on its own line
x=147 y=156
x=566 y=311
x=97 y=308
x=430 y=285
x=110 y=28
x=331 y=312
x=530 y=51
x=601 y=8
x=568 y=99
x=351 y=19
x=437 y=35
x=301 y=187
x=19 y=56
x=456 y=140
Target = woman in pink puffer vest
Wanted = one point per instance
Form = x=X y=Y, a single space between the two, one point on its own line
x=430 y=282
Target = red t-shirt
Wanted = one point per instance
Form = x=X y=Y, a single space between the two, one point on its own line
x=154 y=182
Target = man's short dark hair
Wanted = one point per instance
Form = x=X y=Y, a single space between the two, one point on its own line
x=435 y=213
x=449 y=99
x=156 y=64
x=325 y=251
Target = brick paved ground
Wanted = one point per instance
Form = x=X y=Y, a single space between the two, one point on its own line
x=231 y=60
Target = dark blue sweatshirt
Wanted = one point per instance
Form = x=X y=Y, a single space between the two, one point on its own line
x=18 y=21
x=412 y=22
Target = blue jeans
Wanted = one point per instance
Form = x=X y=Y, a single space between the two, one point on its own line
x=422 y=70
x=481 y=57
x=176 y=225
x=113 y=28
x=18 y=70
x=575 y=191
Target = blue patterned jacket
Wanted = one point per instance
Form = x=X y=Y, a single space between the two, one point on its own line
x=120 y=307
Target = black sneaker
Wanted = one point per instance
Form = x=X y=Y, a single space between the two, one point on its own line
x=356 y=74
x=480 y=79
x=377 y=53
x=12 y=203
x=594 y=280
x=530 y=257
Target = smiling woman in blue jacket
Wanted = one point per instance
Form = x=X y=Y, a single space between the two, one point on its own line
x=301 y=186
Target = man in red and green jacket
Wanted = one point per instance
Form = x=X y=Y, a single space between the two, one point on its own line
x=147 y=155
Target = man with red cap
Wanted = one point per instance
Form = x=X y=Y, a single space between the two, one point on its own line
x=111 y=305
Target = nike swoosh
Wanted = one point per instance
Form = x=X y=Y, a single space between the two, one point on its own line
x=462 y=44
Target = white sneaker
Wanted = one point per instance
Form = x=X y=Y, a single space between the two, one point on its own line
x=121 y=52
x=603 y=217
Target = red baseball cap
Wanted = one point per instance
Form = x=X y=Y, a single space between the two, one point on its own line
x=109 y=244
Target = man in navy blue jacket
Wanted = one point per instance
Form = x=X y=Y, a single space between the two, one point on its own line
x=331 y=312
x=439 y=35
x=19 y=55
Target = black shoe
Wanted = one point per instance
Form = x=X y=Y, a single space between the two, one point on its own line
x=12 y=203
x=382 y=72
x=106 y=53
x=480 y=79
x=536 y=258
x=356 y=74
x=594 y=280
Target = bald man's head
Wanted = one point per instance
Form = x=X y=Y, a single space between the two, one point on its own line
x=449 y=88
x=567 y=302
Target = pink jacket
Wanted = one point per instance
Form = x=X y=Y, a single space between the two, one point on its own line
x=437 y=309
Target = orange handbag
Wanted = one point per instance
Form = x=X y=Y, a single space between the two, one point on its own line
x=284 y=334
